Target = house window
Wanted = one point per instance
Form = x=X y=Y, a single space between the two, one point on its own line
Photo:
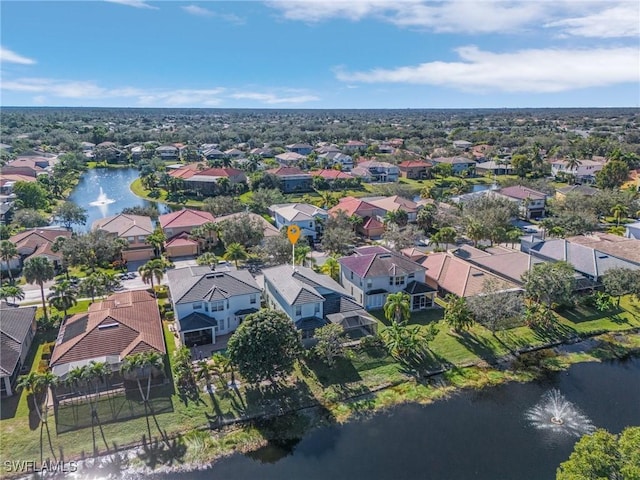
x=412 y=275
x=298 y=310
x=197 y=306
x=399 y=280
x=217 y=306
x=317 y=308
x=131 y=239
x=351 y=275
x=369 y=283
x=141 y=238
x=252 y=299
x=390 y=280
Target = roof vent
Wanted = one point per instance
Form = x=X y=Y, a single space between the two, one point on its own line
x=603 y=256
x=385 y=255
x=477 y=274
x=108 y=325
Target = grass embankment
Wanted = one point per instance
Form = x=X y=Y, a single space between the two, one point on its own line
x=364 y=381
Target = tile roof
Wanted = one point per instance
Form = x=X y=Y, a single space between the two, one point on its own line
x=35 y=237
x=287 y=171
x=184 y=218
x=221 y=172
x=122 y=324
x=460 y=277
x=198 y=283
x=415 y=164
x=124 y=225
x=522 y=193
x=351 y=206
x=300 y=285
x=14 y=329
x=393 y=203
x=332 y=174
x=180 y=240
x=452 y=160
x=379 y=263
x=290 y=156
x=505 y=262
x=578 y=189
x=621 y=247
x=298 y=211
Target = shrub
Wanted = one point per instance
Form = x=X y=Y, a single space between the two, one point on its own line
x=373 y=346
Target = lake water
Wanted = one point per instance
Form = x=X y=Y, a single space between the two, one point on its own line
x=473 y=435
x=104 y=192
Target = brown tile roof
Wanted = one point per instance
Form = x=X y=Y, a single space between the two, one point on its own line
x=184 y=218
x=621 y=247
x=521 y=193
x=37 y=236
x=285 y=171
x=125 y=225
x=351 y=206
x=394 y=203
x=221 y=172
x=414 y=164
x=331 y=174
x=122 y=324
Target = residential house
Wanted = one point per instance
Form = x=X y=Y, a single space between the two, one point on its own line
x=584 y=172
x=122 y=324
x=531 y=203
x=292 y=179
x=493 y=167
x=584 y=190
x=462 y=145
x=394 y=203
x=326 y=148
x=480 y=152
x=415 y=169
x=134 y=229
x=414 y=254
x=212 y=153
x=353 y=146
x=632 y=230
x=309 y=218
x=371 y=226
x=591 y=263
x=234 y=153
x=334 y=159
x=6 y=148
x=210 y=304
x=263 y=152
x=31 y=167
x=312 y=300
x=17 y=329
x=450 y=274
x=331 y=175
x=626 y=248
x=201 y=180
x=289 y=159
x=300 y=148
x=372 y=273
x=386 y=149
x=459 y=164
x=168 y=152
x=37 y=242
x=375 y=171
x=178 y=225
x=395 y=142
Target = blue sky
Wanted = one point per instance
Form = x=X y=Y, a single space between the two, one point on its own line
x=321 y=54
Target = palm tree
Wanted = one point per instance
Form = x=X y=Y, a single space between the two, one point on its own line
x=475 y=232
x=573 y=162
x=63 y=296
x=445 y=235
x=402 y=342
x=301 y=254
x=8 y=251
x=235 y=252
x=38 y=383
x=397 y=308
x=153 y=269
x=207 y=258
x=619 y=212
x=331 y=267
x=156 y=240
x=92 y=285
x=11 y=291
x=39 y=270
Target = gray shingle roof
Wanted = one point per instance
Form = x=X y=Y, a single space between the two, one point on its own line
x=14 y=328
x=299 y=286
x=197 y=321
x=192 y=284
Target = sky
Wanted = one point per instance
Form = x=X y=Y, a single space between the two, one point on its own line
x=320 y=54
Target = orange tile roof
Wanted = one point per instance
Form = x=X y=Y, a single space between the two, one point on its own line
x=351 y=205
x=186 y=217
x=122 y=324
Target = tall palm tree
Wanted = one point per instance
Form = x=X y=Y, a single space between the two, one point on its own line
x=11 y=291
x=235 y=252
x=8 y=251
x=37 y=384
x=39 y=270
x=619 y=212
x=153 y=269
x=301 y=254
x=63 y=296
x=475 y=232
x=92 y=285
x=397 y=308
x=331 y=267
x=156 y=240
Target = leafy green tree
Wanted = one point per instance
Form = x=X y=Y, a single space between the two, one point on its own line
x=612 y=175
x=263 y=198
x=235 y=252
x=401 y=237
x=445 y=235
x=265 y=346
x=92 y=285
x=29 y=218
x=522 y=164
x=495 y=309
x=549 y=283
x=338 y=234
x=407 y=344
x=39 y=270
x=8 y=251
x=426 y=216
x=602 y=455
x=621 y=281
x=242 y=229
x=68 y=214
x=397 y=308
x=329 y=344
x=63 y=296
x=457 y=313
x=153 y=269
x=222 y=205
x=31 y=195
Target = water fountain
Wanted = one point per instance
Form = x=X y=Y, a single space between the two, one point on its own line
x=102 y=199
x=554 y=412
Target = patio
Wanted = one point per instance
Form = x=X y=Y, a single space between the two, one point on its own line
x=205 y=351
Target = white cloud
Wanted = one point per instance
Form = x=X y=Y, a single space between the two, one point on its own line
x=272 y=99
x=581 y=18
x=622 y=20
x=532 y=71
x=183 y=97
x=8 y=56
x=198 y=11
x=133 y=3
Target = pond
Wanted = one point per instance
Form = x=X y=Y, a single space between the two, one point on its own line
x=104 y=191
x=484 y=434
